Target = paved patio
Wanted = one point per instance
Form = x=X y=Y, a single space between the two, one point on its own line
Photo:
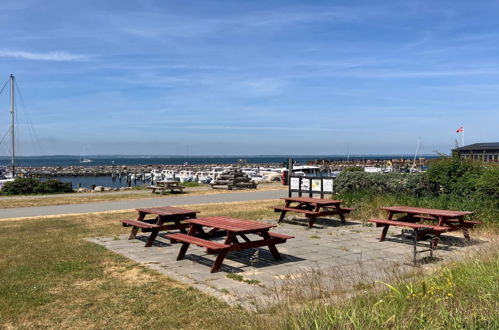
x=330 y=256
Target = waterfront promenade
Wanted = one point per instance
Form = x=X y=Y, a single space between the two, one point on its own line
x=142 y=203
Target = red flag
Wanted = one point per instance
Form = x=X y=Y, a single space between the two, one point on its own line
x=460 y=129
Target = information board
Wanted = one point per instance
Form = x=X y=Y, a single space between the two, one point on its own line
x=310 y=185
x=305 y=184
x=328 y=185
x=316 y=185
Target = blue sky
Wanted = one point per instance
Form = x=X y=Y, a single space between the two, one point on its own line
x=251 y=77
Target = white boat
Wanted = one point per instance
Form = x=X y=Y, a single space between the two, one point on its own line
x=255 y=177
x=215 y=172
x=202 y=177
x=186 y=176
x=373 y=169
x=168 y=175
x=84 y=159
x=155 y=175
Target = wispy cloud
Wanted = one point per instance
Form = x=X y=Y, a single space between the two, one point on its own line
x=48 y=56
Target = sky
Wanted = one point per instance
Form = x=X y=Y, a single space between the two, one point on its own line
x=249 y=77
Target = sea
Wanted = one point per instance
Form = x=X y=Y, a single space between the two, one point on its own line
x=106 y=181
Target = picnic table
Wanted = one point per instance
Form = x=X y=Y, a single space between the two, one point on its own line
x=233 y=228
x=312 y=208
x=155 y=225
x=163 y=186
x=446 y=221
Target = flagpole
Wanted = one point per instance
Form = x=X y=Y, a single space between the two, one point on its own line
x=462 y=138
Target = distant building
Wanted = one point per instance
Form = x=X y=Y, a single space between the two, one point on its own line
x=485 y=152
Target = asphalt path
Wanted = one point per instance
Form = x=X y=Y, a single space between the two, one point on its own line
x=132 y=204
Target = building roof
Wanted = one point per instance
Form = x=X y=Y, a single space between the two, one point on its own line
x=480 y=146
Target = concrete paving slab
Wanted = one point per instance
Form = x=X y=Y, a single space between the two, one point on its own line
x=350 y=252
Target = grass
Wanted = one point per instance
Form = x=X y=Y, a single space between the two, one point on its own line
x=51 y=277
x=64 y=199
x=459 y=296
x=54 y=278
x=240 y=278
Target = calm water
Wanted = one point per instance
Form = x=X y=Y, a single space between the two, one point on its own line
x=154 y=160
x=89 y=181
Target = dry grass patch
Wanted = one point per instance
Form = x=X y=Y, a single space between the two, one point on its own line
x=32 y=201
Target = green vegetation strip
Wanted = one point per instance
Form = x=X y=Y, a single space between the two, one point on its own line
x=461 y=296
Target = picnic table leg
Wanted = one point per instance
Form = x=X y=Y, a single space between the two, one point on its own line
x=135 y=229
x=231 y=237
x=311 y=221
x=386 y=227
x=271 y=246
x=415 y=242
x=434 y=241
x=342 y=217
x=218 y=261
x=185 y=246
x=283 y=212
x=466 y=234
x=152 y=238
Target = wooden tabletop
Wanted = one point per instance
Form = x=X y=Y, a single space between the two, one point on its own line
x=419 y=210
x=166 y=210
x=231 y=224
x=310 y=200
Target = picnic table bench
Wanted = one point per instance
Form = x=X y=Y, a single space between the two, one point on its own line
x=163 y=186
x=234 y=228
x=312 y=208
x=446 y=221
x=157 y=224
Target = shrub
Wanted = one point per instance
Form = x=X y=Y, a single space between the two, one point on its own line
x=488 y=183
x=24 y=186
x=354 y=169
x=20 y=186
x=414 y=184
x=52 y=186
x=456 y=176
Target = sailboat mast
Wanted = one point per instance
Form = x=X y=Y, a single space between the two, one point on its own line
x=12 y=118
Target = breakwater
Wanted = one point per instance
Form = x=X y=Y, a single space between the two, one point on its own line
x=119 y=171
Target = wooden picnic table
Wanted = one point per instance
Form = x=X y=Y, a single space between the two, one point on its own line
x=312 y=208
x=163 y=186
x=155 y=225
x=234 y=228
x=446 y=221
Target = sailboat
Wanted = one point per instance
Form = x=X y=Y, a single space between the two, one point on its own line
x=7 y=177
x=84 y=159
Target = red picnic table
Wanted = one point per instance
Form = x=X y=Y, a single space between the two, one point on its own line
x=155 y=225
x=234 y=228
x=312 y=208
x=447 y=220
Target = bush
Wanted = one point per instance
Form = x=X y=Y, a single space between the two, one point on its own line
x=488 y=183
x=20 y=186
x=354 y=169
x=456 y=176
x=24 y=186
x=52 y=186
x=414 y=184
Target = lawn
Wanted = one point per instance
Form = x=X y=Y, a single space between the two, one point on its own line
x=51 y=277
x=63 y=199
